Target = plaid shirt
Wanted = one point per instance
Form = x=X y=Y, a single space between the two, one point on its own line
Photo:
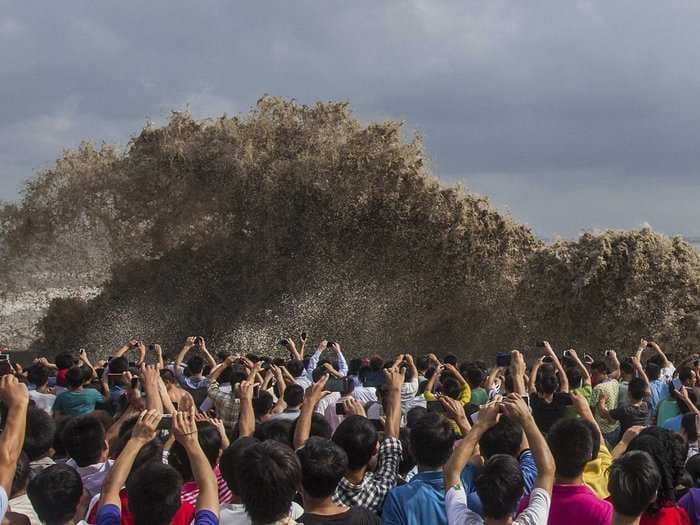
x=226 y=405
x=371 y=492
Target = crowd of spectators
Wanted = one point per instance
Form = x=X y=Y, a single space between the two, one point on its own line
x=315 y=438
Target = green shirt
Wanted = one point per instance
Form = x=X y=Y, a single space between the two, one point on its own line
x=479 y=396
x=77 y=403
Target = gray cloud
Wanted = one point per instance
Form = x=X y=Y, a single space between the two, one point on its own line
x=570 y=114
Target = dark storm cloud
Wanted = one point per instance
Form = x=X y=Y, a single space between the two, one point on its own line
x=596 y=97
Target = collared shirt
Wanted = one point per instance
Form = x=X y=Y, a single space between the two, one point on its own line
x=290 y=414
x=370 y=493
x=611 y=389
x=93 y=476
x=226 y=405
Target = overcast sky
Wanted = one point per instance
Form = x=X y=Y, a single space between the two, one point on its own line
x=570 y=114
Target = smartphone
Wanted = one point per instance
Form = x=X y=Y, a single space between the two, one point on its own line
x=378 y=425
x=566 y=353
x=540 y=344
x=5 y=365
x=283 y=342
x=151 y=347
x=607 y=353
x=134 y=382
x=503 y=358
x=435 y=406
x=166 y=422
x=547 y=359
x=303 y=335
x=340 y=409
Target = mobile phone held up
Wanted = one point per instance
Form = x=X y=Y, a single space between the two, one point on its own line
x=340 y=409
x=503 y=358
x=5 y=365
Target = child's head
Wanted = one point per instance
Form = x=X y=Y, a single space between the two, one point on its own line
x=637 y=389
x=633 y=483
x=500 y=486
x=56 y=494
x=571 y=443
x=38 y=375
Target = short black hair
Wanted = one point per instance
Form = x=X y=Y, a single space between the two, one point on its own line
x=83 y=437
x=595 y=436
x=652 y=370
x=600 y=366
x=573 y=374
x=55 y=494
x=19 y=483
x=38 y=438
x=547 y=381
x=294 y=395
x=118 y=365
x=637 y=388
x=323 y=464
x=38 y=375
x=275 y=430
x=154 y=493
x=505 y=437
x=450 y=359
x=451 y=388
x=230 y=463
x=210 y=441
x=689 y=424
x=272 y=478
x=633 y=480
x=626 y=367
x=167 y=375
x=263 y=403
x=75 y=377
x=357 y=436
x=64 y=360
x=414 y=415
x=685 y=372
x=500 y=486
x=474 y=374
x=432 y=439
x=571 y=444
x=295 y=367
x=195 y=364
x=320 y=427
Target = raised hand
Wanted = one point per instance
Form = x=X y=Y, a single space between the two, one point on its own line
x=244 y=390
x=353 y=407
x=316 y=391
x=489 y=414
x=185 y=428
x=146 y=426
x=516 y=408
x=12 y=392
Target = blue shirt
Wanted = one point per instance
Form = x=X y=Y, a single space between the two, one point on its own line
x=659 y=392
x=673 y=423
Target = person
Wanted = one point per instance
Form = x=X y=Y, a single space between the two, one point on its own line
x=19 y=500
x=57 y=496
x=409 y=388
x=500 y=483
x=573 y=502
x=293 y=398
x=79 y=400
x=38 y=440
x=549 y=389
x=234 y=513
x=15 y=398
x=225 y=403
x=41 y=395
x=637 y=411
x=323 y=464
x=687 y=401
x=157 y=482
x=633 y=483
x=668 y=452
x=608 y=388
x=475 y=376
x=88 y=450
x=272 y=479
x=195 y=383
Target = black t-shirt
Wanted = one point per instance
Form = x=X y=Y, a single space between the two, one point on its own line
x=632 y=415
x=352 y=516
x=546 y=414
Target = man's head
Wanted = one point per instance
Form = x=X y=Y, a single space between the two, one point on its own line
x=84 y=440
x=210 y=441
x=432 y=439
x=637 y=389
x=272 y=478
x=195 y=364
x=75 y=377
x=262 y=404
x=500 y=486
x=547 y=381
x=294 y=396
x=320 y=427
x=652 y=370
x=38 y=438
x=475 y=375
x=358 y=438
x=571 y=444
x=599 y=372
x=19 y=483
x=64 y=360
x=154 y=493
x=38 y=375
x=626 y=370
x=450 y=387
x=230 y=463
x=55 y=494
x=633 y=481
x=323 y=464
x=505 y=437
x=687 y=376
x=295 y=367
x=573 y=374
x=118 y=365
x=450 y=359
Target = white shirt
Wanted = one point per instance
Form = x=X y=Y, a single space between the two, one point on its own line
x=22 y=505
x=458 y=513
x=3 y=502
x=303 y=381
x=235 y=514
x=43 y=401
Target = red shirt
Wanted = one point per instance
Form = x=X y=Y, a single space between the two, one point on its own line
x=671 y=515
x=183 y=516
x=61 y=376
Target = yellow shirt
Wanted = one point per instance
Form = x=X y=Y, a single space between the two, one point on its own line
x=464 y=398
x=595 y=474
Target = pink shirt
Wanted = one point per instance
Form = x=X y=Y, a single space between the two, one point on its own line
x=575 y=505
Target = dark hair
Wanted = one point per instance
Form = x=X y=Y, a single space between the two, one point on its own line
x=118 y=365
x=75 y=377
x=38 y=375
x=295 y=367
x=637 y=388
x=692 y=397
x=689 y=424
x=230 y=462
x=652 y=370
x=263 y=403
x=167 y=375
x=692 y=466
x=626 y=367
x=595 y=436
x=83 y=438
x=19 y=483
x=451 y=388
x=505 y=437
x=154 y=493
x=432 y=439
x=272 y=478
x=633 y=480
x=414 y=415
x=500 y=486
x=474 y=375
x=376 y=363
x=600 y=366
x=55 y=494
x=195 y=364
x=667 y=452
x=38 y=438
x=358 y=438
x=294 y=395
x=323 y=464
x=275 y=430
x=320 y=427
x=547 y=382
x=573 y=374
x=685 y=372
x=210 y=441
x=450 y=359
x=64 y=360
x=422 y=363
x=571 y=443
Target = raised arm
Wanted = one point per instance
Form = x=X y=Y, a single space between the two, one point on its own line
x=563 y=380
x=207 y=355
x=149 y=381
x=612 y=355
x=189 y=344
x=517 y=369
x=532 y=382
x=342 y=363
x=394 y=379
x=313 y=362
x=160 y=364
x=141 y=347
x=246 y=419
x=219 y=369
x=291 y=347
x=302 y=338
x=127 y=346
x=585 y=376
x=14 y=396
x=660 y=352
x=584 y=410
x=313 y=396
x=84 y=359
x=637 y=364
x=433 y=379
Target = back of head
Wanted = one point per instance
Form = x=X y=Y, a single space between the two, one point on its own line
x=320 y=427
x=432 y=439
x=55 y=494
x=118 y=365
x=230 y=463
x=451 y=388
x=195 y=364
x=64 y=360
x=474 y=375
x=450 y=359
x=414 y=415
x=500 y=486
x=167 y=376
x=84 y=439
x=38 y=375
x=262 y=404
x=652 y=370
x=633 y=481
x=547 y=381
x=75 y=377
x=626 y=367
x=275 y=430
x=505 y=437
x=692 y=466
x=357 y=436
x=690 y=427
x=272 y=478
x=38 y=438
x=210 y=441
x=295 y=367
x=294 y=396
x=600 y=367
x=154 y=493
x=571 y=444
x=376 y=363
x=637 y=388
x=323 y=464
x=573 y=374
